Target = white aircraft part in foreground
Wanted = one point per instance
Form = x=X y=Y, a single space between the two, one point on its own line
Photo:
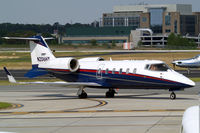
x=190 y=121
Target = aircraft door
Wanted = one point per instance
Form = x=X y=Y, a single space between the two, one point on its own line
x=99 y=71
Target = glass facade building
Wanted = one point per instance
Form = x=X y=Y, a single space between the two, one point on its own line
x=134 y=21
x=167 y=20
x=116 y=20
x=177 y=18
x=156 y=19
x=187 y=24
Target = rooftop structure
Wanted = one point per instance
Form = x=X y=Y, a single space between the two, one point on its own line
x=183 y=9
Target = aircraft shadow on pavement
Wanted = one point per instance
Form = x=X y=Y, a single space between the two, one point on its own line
x=143 y=96
x=136 y=96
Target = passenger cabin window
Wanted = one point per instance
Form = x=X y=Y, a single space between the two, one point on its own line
x=107 y=71
x=113 y=71
x=99 y=71
x=157 y=67
x=134 y=70
x=120 y=71
x=127 y=71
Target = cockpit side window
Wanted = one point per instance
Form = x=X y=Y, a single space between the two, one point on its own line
x=147 y=66
x=157 y=67
x=196 y=57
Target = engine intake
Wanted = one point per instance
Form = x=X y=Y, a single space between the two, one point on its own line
x=73 y=65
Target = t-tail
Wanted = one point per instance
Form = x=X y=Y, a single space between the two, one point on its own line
x=40 y=54
x=43 y=59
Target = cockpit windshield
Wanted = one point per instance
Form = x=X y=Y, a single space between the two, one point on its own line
x=157 y=67
x=196 y=57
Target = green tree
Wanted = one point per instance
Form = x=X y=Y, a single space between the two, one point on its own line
x=177 y=41
x=171 y=40
x=93 y=42
x=113 y=44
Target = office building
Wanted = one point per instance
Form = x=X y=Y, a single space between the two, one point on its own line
x=162 y=19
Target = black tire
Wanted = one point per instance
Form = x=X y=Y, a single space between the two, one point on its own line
x=172 y=96
x=83 y=95
x=107 y=94
x=110 y=94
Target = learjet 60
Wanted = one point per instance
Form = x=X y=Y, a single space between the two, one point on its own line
x=95 y=72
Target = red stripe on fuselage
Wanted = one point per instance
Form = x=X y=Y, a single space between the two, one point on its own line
x=62 y=70
x=110 y=72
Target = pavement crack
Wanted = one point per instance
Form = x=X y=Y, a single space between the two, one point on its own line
x=155 y=124
x=69 y=124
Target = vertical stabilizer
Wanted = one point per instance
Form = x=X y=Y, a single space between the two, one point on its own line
x=40 y=55
x=40 y=52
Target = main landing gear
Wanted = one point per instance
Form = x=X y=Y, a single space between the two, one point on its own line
x=172 y=96
x=81 y=93
x=110 y=93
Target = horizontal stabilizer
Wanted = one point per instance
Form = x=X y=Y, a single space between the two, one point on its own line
x=58 y=83
x=21 y=38
x=26 y=38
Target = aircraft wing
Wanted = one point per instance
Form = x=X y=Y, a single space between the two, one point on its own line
x=73 y=84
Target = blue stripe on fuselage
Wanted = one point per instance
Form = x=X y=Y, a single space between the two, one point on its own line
x=119 y=80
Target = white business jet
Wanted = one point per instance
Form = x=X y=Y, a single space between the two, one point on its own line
x=97 y=73
x=188 y=63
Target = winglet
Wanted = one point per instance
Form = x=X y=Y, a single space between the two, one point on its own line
x=9 y=75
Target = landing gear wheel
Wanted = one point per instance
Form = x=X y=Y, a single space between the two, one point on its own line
x=110 y=93
x=172 y=96
x=83 y=95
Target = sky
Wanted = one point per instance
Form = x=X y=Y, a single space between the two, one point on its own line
x=68 y=11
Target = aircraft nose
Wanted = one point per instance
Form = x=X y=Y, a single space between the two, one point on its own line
x=174 y=62
x=190 y=82
x=185 y=81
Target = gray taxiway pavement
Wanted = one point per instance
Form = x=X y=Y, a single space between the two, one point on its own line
x=48 y=109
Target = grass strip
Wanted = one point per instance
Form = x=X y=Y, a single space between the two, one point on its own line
x=4 y=105
x=197 y=79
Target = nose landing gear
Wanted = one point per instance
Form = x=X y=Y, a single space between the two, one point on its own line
x=172 y=96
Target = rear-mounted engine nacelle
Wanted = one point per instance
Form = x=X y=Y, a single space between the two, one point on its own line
x=92 y=59
x=70 y=64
